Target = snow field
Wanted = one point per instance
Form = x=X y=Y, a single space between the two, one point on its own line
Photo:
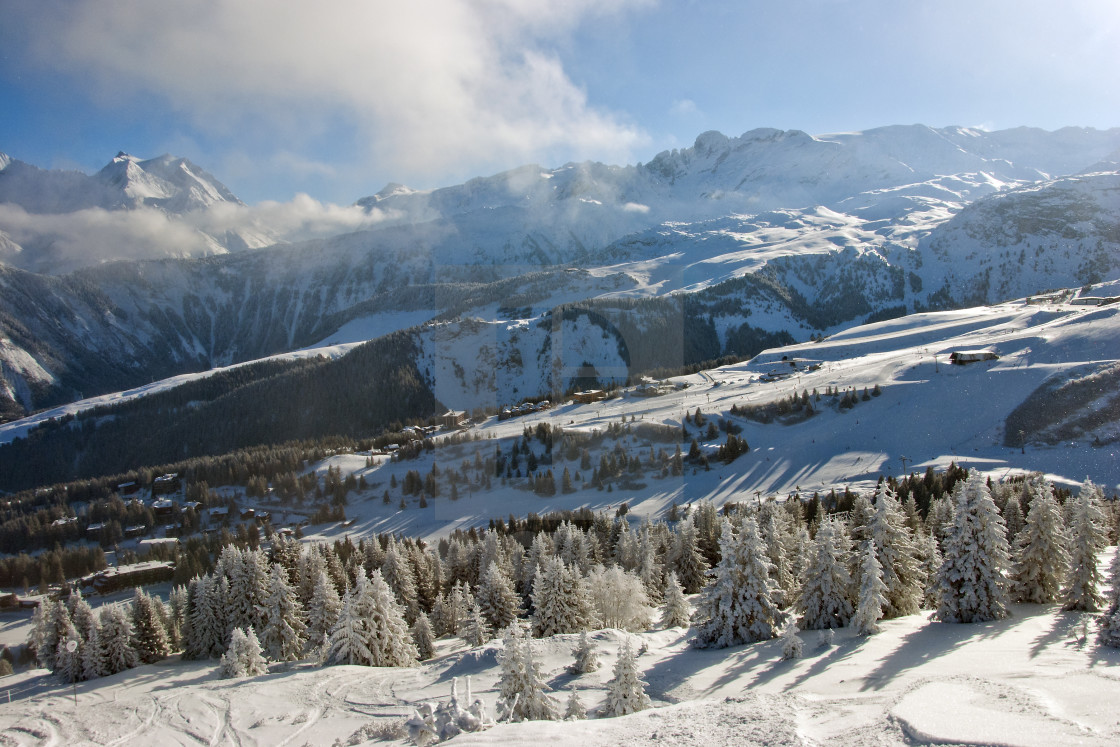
x=1024 y=680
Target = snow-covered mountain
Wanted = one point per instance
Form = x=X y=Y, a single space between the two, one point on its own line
x=771 y=236
x=54 y=221
x=175 y=185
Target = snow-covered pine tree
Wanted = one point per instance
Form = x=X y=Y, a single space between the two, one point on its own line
x=677 y=613
x=476 y=631
x=149 y=634
x=975 y=556
x=179 y=602
x=499 y=602
x=772 y=527
x=67 y=662
x=522 y=692
x=249 y=597
x=458 y=606
x=649 y=567
x=243 y=658
x=792 y=646
x=206 y=619
x=738 y=607
x=872 y=593
x=311 y=564
x=626 y=692
x=1109 y=621
x=686 y=559
x=1013 y=516
x=116 y=637
x=398 y=574
x=929 y=556
x=94 y=663
x=825 y=599
x=38 y=634
x=586 y=660
x=1088 y=537
x=284 y=630
x=323 y=608
x=1041 y=558
x=52 y=626
x=574 y=709
x=897 y=557
x=371 y=629
x=81 y=614
x=560 y=601
x=422 y=637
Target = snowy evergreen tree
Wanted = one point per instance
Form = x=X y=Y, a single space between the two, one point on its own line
x=68 y=655
x=971 y=582
x=178 y=605
x=522 y=692
x=897 y=557
x=929 y=557
x=648 y=567
x=1041 y=558
x=738 y=607
x=825 y=599
x=116 y=637
x=586 y=660
x=677 y=613
x=51 y=628
x=243 y=658
x=626 y=692
x=94 y=663
x=81 y=614
x=248 y=592
x=371 y=629
x=311 y=565
x=792 y=646
x=1088 y=537
x=476 y=631
x=167 y=619
x=422 y=637
x=284 y=630
x=457 y=607
x=560 y=600
x=148 y=633
x=618 y=599
x=398 y=574
x=574 y=710
x=872 y=593
x=686 y=559
x=1013 y=517
x=323 y=607
x=1110 y=619
x=206 y=620
x=499 y=602
x=773 y=528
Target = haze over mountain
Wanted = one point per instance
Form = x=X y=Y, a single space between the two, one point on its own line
x=740 y=242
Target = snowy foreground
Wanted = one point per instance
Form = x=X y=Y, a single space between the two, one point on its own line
x=1030 y=679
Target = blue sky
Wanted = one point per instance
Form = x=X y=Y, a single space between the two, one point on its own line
x=339 y=97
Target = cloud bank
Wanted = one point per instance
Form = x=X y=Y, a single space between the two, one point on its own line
x=430 y=86
x=57 y=243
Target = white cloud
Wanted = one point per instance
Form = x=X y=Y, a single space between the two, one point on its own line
x=684 y=108
x=61 y=242
x=434 y=85
x=298 y=219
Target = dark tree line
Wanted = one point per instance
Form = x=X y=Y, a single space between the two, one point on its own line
x=360 y=394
